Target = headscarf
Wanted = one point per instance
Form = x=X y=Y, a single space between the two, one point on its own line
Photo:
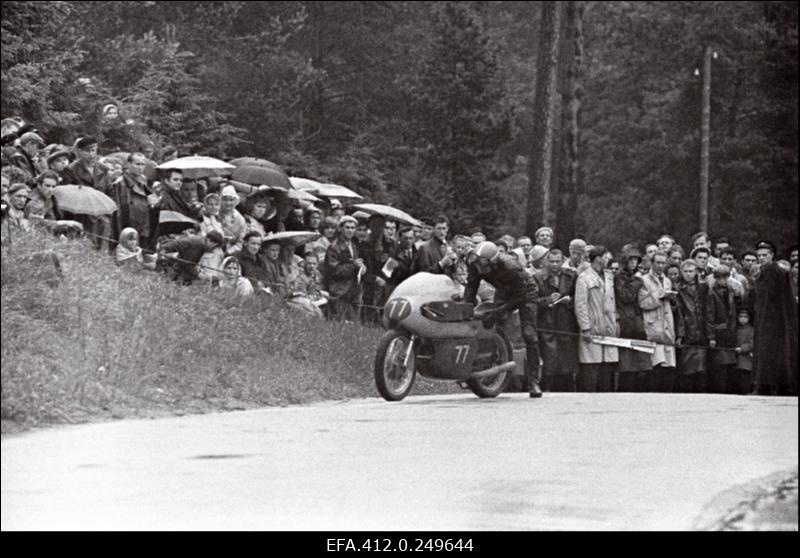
x=123 y=254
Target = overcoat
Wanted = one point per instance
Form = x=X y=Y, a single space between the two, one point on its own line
x=559 y=352
x=596 y=312
x=775 y=325
x=659 y=323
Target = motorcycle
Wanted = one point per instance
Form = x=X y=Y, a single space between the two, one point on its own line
x=431 y=333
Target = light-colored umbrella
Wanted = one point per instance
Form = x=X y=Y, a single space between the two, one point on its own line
x=389 y=212
x=262 y=175
x=294 y=238
x=197 y=166
x=305 y=184
x=83 y=200
x=302 y=195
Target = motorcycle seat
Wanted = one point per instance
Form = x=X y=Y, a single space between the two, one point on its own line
x=448 y=311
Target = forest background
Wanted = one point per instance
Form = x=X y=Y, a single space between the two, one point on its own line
x=432 y=106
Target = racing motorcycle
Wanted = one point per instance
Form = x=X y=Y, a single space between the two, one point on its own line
x=431 y=333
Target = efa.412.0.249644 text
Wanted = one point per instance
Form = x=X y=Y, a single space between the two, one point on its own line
x=399 y=545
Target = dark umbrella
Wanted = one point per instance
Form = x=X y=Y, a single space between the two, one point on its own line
x=254 y=162
x=262 y=175
x=173 y=222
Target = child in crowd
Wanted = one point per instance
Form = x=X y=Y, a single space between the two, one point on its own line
x=232 y=278
x=744 y=351
x=129 y=254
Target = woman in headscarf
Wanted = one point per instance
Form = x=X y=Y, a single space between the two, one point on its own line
x=691 y=329
x=232 y=278
x=128 y=252
x=234 y=226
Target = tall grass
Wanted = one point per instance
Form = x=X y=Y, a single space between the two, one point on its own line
x=108 y=342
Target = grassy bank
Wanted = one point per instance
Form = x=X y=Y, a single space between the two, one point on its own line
x=104 y=342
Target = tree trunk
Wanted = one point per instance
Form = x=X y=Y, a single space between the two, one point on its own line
x=544 y=117
x=568 y=198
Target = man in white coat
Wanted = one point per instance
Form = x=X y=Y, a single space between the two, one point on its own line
x=655 y=298
x=596 y=312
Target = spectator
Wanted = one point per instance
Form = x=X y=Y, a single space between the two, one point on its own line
x=537 y=258
x=405 y=256
x=665 y=243
x=425 y=234
x=321 y=245
x=362 y=230
x=736 y=281
x=524 y=245
x=613 y=266
x=313 y=218
x=435 y=256
x=744 y=353
x=691 y=304
x=251 y=261
x=650 y=250
x=577 y=256
x=635 y=367
x=701 y=240
x=15 y=219
x=596 y=313
x=644 y=266
x=41 y=203
x=294 y=220
x=128 y=253
x=26 y=155
x=722 y=243
x=278 y=277
x=82 y=169
x=721 y=319
x=8 y=143
x=477 y=237
x=344 y=269
x=189 y=250
x=700 y=255
x=673 y=273
x=58 y=161
x=556 y=312
x=775 y=327
x=178 y=197
x=10 y=126
x=256 y=208
x=375 y=251
x=232 y=278
x=138 y=205
x=309 y=281
x=390 y=230
x=676 y=255
x=210 y=213
x=654 y=298
x=544 y=237
x=337 y=210
x=461 y=248
x=234 y=226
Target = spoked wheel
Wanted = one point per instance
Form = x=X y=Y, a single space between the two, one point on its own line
x=393 y=378
x=493 y=386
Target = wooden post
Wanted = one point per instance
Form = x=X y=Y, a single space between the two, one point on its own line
x=705 y=133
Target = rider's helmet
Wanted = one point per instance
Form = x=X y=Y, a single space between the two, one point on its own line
x=486 y=249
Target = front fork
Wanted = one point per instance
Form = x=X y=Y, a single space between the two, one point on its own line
x=409 y=350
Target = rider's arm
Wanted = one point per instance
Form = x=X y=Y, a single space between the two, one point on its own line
x=473 y=282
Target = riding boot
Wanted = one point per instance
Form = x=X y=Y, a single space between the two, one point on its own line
x=533 y=382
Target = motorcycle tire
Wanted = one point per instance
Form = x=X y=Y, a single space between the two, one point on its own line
x=393 y=380
x=494 y=385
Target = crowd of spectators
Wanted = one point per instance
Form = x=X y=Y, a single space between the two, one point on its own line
x=723 y=317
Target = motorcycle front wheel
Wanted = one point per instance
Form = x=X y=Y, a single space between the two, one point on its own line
x=392 y=378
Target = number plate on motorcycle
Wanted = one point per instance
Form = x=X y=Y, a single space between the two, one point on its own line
x=397 y=309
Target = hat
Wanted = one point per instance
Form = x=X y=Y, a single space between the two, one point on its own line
x=663 y=236
x=85 y=142
x=61 y=152
x=698 y=250
x=9 y=139
x=29 y=137
x=336 y=204
x=596 y=252
x=630 y=251
x=361 y=216
x=722 y=270
x=697 y=235
x=688 y=263
x=486 y=249
x=16 y=187
x=211 y=195
x=577 y=244
x=229 y=192
x=543 y=229
x=10 y=122
x=347 y=219
x=766 y=244
x=215 y=237
x=108 y=107
x=537 y=253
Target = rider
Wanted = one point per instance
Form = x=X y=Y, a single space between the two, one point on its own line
x=516 y=290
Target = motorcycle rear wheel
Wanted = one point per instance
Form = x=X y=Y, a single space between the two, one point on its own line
x=494 y=385
x=393 y=380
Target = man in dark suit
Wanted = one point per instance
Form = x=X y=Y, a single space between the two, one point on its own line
x=435 y=255
x=559 y=352
x=344 y=272
x=405 y=255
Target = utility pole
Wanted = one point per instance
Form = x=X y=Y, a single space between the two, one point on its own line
x=705 y=132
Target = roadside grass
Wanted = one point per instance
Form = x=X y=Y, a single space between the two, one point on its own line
x=104 y=342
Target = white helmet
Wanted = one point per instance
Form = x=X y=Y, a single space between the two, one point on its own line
x=486 y=249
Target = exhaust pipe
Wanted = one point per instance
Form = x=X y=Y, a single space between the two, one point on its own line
x=508 y=366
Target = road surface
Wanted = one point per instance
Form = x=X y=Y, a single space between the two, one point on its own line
x=564 y=462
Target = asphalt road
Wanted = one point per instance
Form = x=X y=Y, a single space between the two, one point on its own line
x=565 y=462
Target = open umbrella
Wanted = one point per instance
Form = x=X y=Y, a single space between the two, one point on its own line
x=302 y=195
x=324 y=190
x=254 y=162
x=293 y=238
x=262 y=175
x=173 y=222
x=83 y=200
x=389 y=212
x=197 y=166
